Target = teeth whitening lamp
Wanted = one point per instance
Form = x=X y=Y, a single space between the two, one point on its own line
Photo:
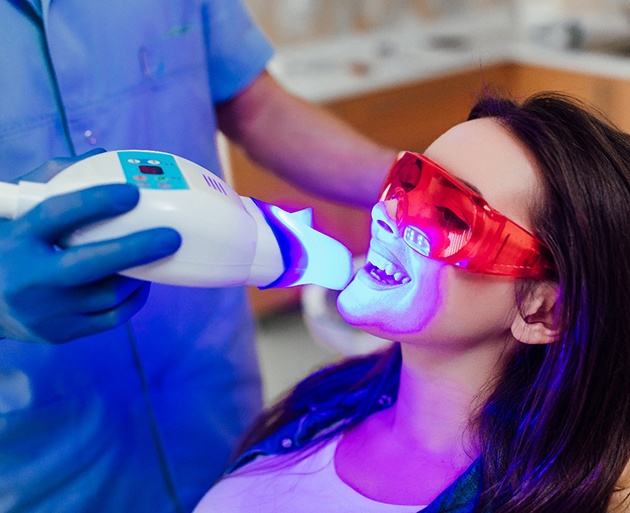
x=227 y=239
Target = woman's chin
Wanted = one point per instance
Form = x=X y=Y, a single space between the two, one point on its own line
x=346 y=305
x=355 y=308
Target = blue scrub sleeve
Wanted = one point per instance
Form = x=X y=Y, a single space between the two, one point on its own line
x=237 y=50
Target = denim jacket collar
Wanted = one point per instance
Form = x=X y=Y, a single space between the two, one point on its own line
x=460 y=497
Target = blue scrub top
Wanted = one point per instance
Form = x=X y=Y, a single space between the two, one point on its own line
x=143 y=417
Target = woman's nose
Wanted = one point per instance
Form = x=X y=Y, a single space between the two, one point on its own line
x=384 y=218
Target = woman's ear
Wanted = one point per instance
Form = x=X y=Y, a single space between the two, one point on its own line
x=536 y=321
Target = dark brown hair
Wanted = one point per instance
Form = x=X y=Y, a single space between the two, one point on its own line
x=556 y=428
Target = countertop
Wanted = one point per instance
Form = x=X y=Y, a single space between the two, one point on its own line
x=341 y=67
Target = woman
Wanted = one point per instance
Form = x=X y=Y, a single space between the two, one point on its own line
x=508 y=388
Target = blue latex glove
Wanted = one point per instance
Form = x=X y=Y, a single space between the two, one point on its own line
x=48 y=294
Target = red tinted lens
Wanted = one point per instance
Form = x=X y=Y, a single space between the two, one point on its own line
x=434 y=215
x=442 y=218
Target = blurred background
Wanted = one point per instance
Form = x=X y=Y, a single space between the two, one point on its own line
x=402 y=72
x=295 y=21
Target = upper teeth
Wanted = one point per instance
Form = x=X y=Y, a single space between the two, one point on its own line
x=388 y=267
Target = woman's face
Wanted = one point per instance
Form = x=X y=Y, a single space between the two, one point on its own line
x=404 y=296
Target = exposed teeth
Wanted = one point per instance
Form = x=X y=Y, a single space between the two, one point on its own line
x=386 y=271
x=378 y=261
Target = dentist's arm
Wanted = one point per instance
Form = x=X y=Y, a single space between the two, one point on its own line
x=304 y=144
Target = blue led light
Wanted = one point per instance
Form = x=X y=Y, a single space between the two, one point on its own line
x=309 y=257
x=417 y=240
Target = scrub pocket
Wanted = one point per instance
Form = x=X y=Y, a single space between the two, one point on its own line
x=179 y=50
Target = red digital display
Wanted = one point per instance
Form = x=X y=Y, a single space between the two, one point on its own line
x=151 y=170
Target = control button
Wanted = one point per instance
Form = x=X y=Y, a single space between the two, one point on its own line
x=154 y=162
x=133 y=161
x=139 y=177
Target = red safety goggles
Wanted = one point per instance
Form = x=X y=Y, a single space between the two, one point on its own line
x=443 y=219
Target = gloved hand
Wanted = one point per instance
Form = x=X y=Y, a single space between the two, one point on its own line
x=49 y=294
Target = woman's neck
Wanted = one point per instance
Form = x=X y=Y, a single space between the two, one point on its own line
x=425 y=440
x=440 y=392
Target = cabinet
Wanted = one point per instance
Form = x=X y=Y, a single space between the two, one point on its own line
x=410 y=117
x=609 y=95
